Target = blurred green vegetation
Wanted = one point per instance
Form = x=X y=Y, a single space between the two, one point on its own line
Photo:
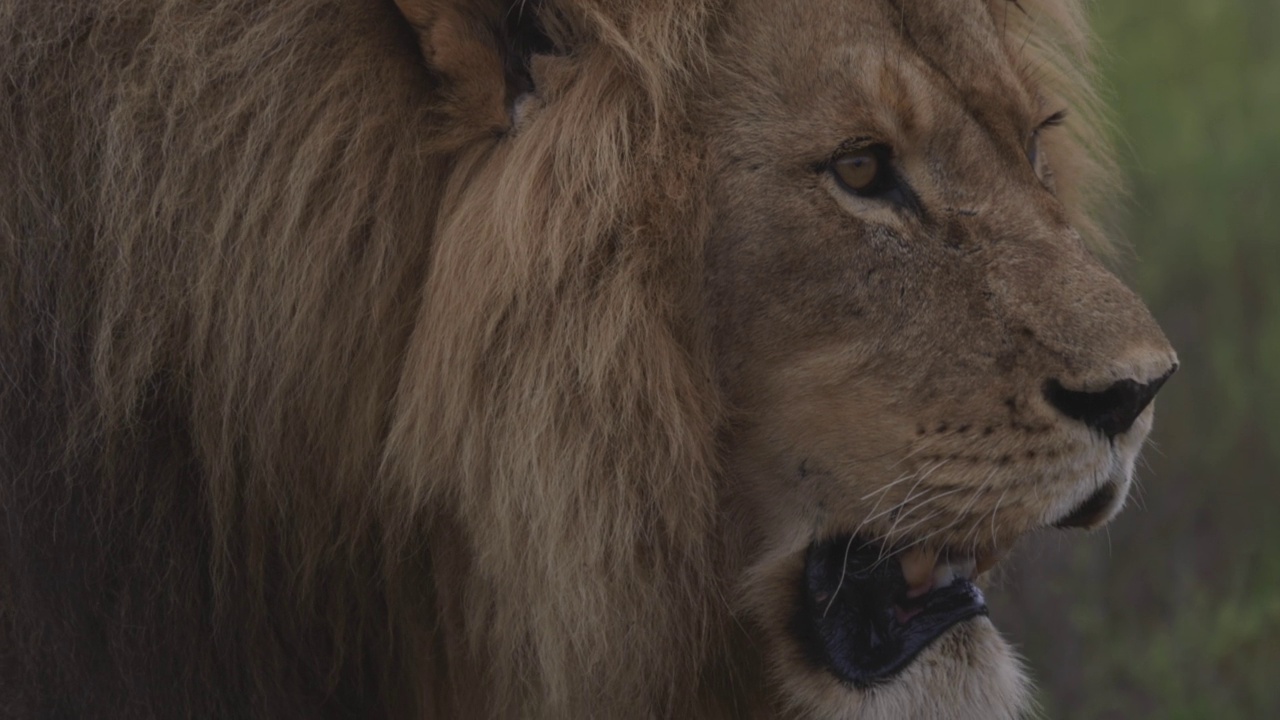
x=1174 y=611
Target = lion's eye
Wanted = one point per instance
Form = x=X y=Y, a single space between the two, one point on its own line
x=858 y=170
x=1033 y=146
x=864 y=171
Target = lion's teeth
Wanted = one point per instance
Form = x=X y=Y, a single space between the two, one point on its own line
x=947 y=571
x=943 y=574
x=917 y=569
x=925 y=571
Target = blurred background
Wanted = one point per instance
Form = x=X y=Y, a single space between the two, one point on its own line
x=1174 y=611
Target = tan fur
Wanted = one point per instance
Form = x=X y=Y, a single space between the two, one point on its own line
x=531 y=417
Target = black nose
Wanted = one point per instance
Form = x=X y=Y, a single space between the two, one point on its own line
x=1111 y=411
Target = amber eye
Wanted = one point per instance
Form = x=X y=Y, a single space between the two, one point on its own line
x=864 y=171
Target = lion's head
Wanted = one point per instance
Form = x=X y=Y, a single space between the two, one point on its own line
x=559 y=358
x=927 y=359
x=865 y=227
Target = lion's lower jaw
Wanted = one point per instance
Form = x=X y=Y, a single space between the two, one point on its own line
x=970 y=672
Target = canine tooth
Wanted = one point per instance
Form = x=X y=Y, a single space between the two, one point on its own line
x=917 y=569
x=943 y=575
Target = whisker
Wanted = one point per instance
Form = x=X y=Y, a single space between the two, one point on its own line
x=900 y=479
x=904 y=504
x=844 y=569
x=934 y=513
x=977 y=491
x=919 y=478
x=923 y=446
x=872 y=515
x=980 y=489
x=995 y=511
x=906 y=530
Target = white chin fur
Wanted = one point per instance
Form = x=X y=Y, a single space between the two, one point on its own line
x=969 y=672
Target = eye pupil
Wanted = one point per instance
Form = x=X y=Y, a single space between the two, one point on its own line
x=858 y=170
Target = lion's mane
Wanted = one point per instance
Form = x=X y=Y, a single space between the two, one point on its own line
x=319 y=400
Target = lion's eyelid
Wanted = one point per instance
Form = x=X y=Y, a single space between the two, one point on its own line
x=1053 y=120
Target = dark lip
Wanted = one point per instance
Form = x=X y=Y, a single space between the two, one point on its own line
x=852 y=595
x=1091 y=510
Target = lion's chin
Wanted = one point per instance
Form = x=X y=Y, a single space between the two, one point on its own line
x=969 y=671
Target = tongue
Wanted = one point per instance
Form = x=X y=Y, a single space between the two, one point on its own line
x=858 y=616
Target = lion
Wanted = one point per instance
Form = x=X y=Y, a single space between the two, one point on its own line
x=547 y=359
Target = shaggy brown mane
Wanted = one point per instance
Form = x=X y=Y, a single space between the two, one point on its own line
x=319 y=399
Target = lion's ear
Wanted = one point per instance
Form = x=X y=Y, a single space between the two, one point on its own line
x=481 y=50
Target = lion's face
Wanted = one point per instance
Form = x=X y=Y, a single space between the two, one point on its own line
x=925 y=360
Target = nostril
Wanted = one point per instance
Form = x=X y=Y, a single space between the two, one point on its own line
x=1111 y=411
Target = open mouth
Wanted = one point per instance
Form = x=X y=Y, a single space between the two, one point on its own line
x=868 y=608
x=866 y=611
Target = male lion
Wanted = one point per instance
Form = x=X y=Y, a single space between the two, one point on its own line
x=573 y=358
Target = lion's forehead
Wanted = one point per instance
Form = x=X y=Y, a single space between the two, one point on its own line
x=902 y=68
